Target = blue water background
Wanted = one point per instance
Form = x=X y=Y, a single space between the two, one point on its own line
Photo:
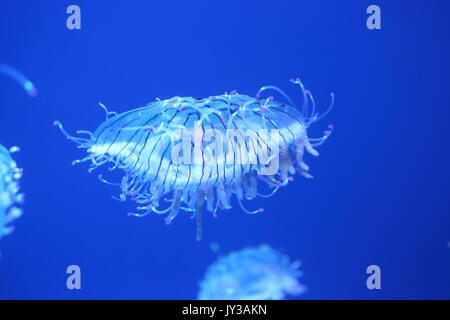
x=381 y=188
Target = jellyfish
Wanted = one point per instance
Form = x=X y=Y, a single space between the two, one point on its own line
x=254 y=273
x=20 y=78
x=185 y=153
x=10 y=198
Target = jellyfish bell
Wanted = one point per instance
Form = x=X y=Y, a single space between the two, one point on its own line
x=184 y=153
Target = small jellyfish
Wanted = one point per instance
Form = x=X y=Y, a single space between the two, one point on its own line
x=27 y=85
x=255 y=273
x=10 y=198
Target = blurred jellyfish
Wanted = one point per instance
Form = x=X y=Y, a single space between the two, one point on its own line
x=255 y=273
x=228 y=142
x=10 y=197
x=20 y=78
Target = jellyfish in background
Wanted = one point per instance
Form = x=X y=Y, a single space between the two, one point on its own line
x=10 y=198
x=180 y=154
x=20 y=78
x=259 y=273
